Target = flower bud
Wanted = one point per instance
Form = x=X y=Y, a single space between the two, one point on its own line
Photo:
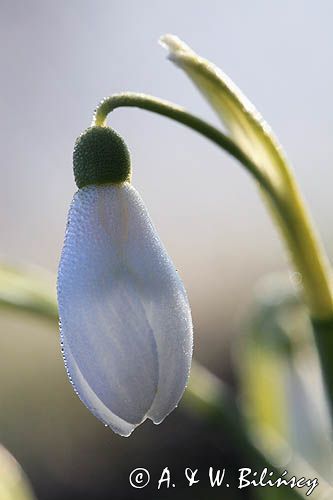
x=126 y=327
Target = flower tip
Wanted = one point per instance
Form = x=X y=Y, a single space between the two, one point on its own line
x=122 y=433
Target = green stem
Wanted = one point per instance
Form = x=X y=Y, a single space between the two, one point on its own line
x=179 y=114
x=323 y=333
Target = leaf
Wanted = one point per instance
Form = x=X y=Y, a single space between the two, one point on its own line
x=13 y=483
x=29 y=289
x=243 y=122
x=280 y=376
x=254 y=138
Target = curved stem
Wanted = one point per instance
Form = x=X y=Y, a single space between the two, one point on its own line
x=179 y=114
x=293 y=220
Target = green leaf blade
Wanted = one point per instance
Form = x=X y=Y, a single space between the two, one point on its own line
x=241 y=119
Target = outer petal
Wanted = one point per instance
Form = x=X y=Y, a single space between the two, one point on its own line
x=125 y=321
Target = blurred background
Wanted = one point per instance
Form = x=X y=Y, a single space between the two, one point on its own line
x=58 y=60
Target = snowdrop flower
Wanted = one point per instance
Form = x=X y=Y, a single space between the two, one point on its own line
x=126 y=326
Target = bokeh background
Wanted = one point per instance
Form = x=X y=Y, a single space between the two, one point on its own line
x=58 y=59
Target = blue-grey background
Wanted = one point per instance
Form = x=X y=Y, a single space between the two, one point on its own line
x=58 y=59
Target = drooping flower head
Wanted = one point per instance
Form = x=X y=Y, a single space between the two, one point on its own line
x=126 y=326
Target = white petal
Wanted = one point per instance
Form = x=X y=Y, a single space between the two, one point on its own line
x=125 y=320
